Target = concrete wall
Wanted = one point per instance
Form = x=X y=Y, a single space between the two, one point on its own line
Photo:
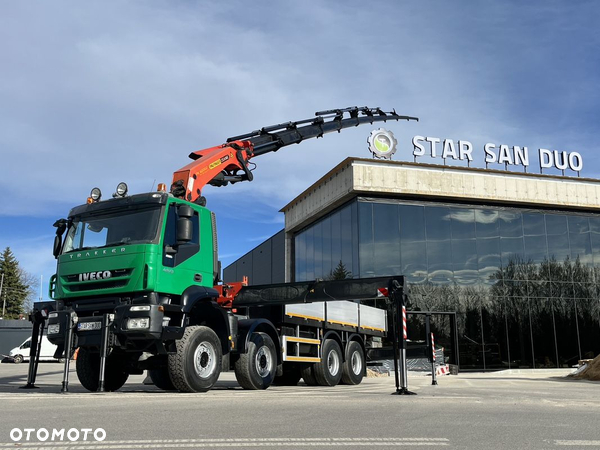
x=519 y=189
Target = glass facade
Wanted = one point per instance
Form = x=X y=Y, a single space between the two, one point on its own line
x=525 y=283
x=327 y=245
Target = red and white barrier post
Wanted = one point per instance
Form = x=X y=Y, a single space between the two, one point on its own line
x=404 y=369
x=399 y=337
x=433 y=369
x=404 y=334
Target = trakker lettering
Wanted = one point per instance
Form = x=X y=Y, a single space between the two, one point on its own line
x=100 y=275
x=113 y=251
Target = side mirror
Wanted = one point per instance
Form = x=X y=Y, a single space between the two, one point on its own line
x=61 y=226
x=57 y=245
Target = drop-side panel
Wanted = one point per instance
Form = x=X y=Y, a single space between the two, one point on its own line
x=373 y=318
x=343 y=313
x=314 y=311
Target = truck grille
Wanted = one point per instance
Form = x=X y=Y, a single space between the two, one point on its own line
x=118 y=279
x=96 y=286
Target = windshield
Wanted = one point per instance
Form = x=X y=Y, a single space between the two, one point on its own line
x=115 y=228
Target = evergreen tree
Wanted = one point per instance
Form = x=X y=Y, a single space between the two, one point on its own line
x=14 y=291
x=340 y=272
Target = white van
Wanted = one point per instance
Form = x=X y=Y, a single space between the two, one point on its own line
x=21 y=353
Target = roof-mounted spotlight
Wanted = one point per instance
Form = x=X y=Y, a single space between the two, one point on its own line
x=95 y=195
x=121 y=190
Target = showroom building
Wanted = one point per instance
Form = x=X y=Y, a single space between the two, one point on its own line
x=515 y=255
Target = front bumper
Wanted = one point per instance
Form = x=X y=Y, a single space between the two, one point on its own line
x=152 y=326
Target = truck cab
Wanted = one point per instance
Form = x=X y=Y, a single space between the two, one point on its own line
x=144 y=243
x=147 y=260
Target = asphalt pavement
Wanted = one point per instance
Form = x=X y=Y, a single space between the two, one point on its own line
x=511 y=409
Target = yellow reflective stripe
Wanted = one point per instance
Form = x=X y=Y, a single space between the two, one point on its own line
x=302 y=359
x=373 y=328
x=343 y=323
x=320 y=319
x=299 y=339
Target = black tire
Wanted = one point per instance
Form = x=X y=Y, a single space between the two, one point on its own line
x=256 y=368
x=308 y=375
x=161 y=379
x=88 y=371
x=353 y=369
x=197 y=364
x=18 y=359
x=290 y=377
x=328 y=372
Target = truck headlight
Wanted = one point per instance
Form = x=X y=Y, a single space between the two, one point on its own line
x=138 y=323
x=54 y=329
x=140 y=308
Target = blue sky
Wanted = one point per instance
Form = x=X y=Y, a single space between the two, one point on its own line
x=94 y=93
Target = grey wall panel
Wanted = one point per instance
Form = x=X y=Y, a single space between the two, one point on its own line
x=12 y=334
x=278 y=257
x=230 y=273
x=265 y=264
x=244 y=267
x=261 y=264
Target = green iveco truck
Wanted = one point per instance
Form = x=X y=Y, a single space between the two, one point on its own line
x=137 y=287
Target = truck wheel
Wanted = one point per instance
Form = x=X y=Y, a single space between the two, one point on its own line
x=18 y=359
x=161 y=379
x=353 y=369
x=328 y=372
x=197 y=364
x=88 y=371
x=290 y=376
x=308 y=375
x=256 y=368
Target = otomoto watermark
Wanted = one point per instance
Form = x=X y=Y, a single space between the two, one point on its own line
x=60 y=435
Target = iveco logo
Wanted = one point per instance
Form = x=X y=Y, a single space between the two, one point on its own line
x=95 y=275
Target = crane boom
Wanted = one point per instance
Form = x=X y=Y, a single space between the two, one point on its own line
x=228 y=163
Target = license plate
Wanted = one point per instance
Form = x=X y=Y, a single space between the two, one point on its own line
x=89 y=326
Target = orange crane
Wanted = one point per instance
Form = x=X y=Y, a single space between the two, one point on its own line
x=228 y=163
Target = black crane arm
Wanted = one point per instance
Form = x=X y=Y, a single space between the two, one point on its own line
x=272 y=138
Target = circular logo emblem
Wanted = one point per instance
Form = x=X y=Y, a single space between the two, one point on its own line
x=382 y=143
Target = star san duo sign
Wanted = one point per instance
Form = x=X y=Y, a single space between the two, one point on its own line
x=382 y=144
x=502 y=154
